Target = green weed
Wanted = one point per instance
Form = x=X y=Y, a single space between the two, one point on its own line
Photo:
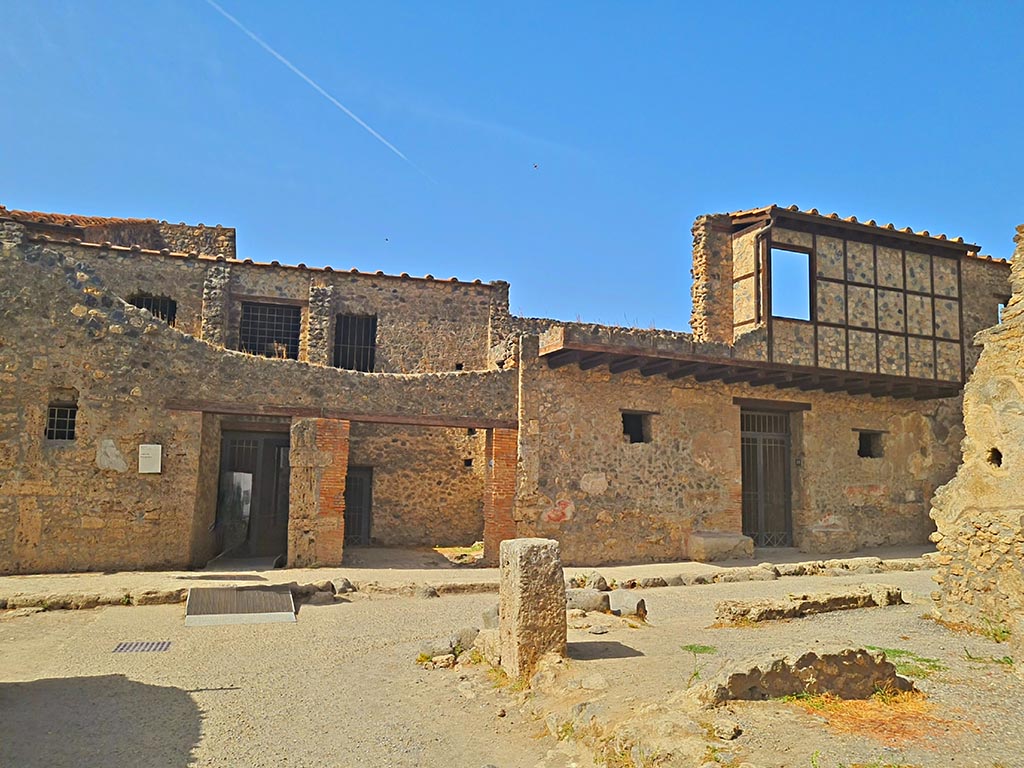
x=909 y=663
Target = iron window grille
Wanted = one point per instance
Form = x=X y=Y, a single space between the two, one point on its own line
x=162 y=307
x=270 y=330
x=355 y=342
x=60 y=421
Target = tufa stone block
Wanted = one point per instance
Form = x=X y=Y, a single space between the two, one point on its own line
x=531 y=602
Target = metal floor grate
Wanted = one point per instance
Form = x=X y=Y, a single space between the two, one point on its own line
x=142 y=646
x=238 y=605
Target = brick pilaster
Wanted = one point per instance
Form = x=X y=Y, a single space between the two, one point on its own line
x=499 y=490
x=316 y=501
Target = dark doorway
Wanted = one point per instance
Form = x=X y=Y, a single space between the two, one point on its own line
x=252 y=509
x=767 y=513
x=358 y=505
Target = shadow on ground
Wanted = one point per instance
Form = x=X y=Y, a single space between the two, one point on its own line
x=601 y=649
x=107 y=720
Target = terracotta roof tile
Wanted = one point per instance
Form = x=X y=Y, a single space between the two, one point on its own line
x=67 y=220
x=972 y=250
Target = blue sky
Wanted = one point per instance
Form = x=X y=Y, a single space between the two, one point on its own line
x=565 y=148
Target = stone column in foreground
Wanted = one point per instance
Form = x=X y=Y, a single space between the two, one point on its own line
x=532 y=604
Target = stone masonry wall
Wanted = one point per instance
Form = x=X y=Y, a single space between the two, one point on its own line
x=607 y=500
x=82 y=505
x=980 y=514
x=422 y=325
x=423 y=492
x=712 y=315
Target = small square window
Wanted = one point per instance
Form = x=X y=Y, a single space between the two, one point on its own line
x=467 y=462
x=869 y=444
x=60 y=421
x=636 y=427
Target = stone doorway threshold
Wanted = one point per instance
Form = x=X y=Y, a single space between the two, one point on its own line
x=222 y=564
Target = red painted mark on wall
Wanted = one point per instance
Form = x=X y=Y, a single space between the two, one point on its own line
x=561 y=512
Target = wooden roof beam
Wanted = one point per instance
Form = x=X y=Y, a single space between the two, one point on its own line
x=686 y=369
x=625 y=364
x=659 y=366
x=712 y=372
x=742 y=375
x=594 y=361
x=562 y=358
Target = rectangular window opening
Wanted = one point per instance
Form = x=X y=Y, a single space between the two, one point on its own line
x=270 y=330
x=636 y=427
x=869 y=444
x=355 y=342
x=791 y=284
x=467 y=462
x=60 y=421
x=163 y=307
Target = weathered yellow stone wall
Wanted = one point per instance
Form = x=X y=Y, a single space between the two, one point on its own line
x=423 y=492
x=607 y=500
x=82 y=505
x=980 y=513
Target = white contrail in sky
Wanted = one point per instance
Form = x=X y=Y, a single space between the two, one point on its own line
x=312 y=83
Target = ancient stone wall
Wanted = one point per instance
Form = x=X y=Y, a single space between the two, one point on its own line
x=82 y=504
x=422 y=325
x=712 y=273
x=147 y=234
x=979 y=514
x=605 y=499
x=424 y=494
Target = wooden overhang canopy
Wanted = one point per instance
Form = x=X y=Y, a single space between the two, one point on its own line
x=559 y=348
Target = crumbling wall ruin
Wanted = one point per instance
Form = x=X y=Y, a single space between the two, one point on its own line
x=980 y=513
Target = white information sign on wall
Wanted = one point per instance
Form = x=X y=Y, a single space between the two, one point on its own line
x=150 y=459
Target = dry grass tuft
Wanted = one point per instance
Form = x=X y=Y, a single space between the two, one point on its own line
x=891 y=717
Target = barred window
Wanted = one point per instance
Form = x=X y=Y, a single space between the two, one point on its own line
x=60 y=421
x=163 y=307
x=355 y=340
x=270 y=330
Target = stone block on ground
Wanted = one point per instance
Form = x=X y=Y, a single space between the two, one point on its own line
x=594 y=580
x=343 y=586
x=652 y=581
x=490 y=617
x=463 y=639
x=797 y=605
x=532 y=604
x=849 y=673
x=751 y=573
x=589 y=600
x=626 y=603
x=708 y=546
x=488 y=644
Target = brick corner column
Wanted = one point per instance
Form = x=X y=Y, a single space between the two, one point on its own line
x=318 y=455
x=499 y=491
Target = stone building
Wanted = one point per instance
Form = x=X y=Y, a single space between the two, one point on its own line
x=980 y=513
x=164 y=402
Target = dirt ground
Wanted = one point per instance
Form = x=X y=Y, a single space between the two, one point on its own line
x=340 y=687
